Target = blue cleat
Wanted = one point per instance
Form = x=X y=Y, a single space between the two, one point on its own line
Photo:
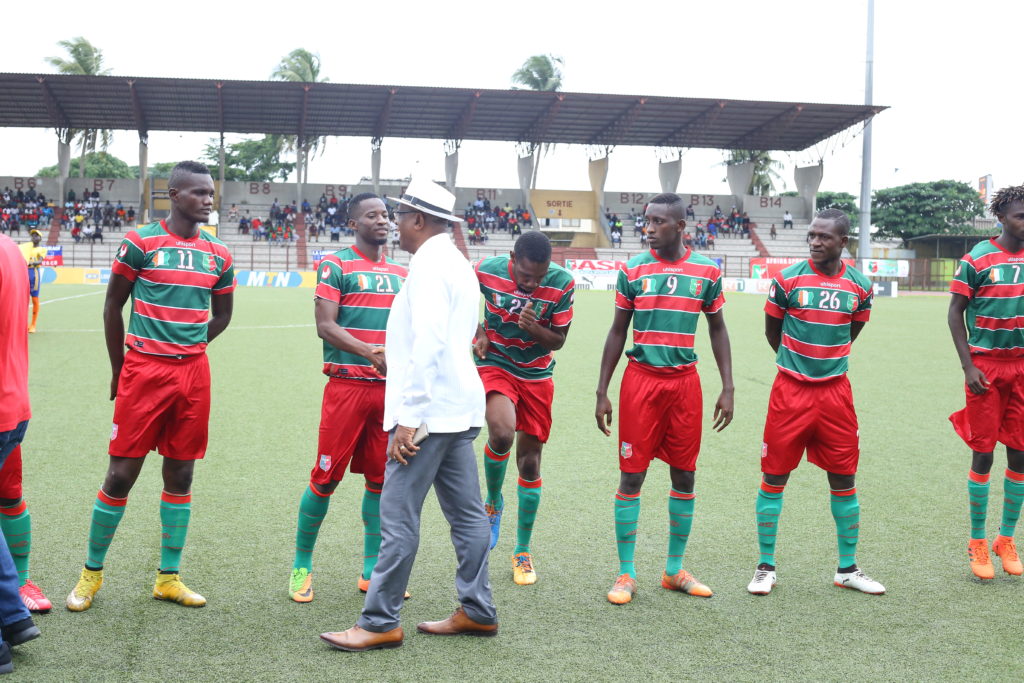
x=494 y=517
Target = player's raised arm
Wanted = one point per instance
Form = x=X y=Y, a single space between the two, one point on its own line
x=119 y=288
x=973 y=377
x=723 y=357
x=613 y=346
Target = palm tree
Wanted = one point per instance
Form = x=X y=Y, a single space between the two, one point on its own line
x=85 y=60
x=300 y=66
x=763 y=182
x=542 y=73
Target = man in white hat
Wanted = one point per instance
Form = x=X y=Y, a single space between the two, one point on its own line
x=434 y=408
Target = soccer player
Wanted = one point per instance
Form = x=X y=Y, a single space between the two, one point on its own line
x=355 y=289
x=34 y=255
x=527 y=313
x=16 y=524
x=986 y=318
x=663 y=292
x=172 y=271
x=815 y=310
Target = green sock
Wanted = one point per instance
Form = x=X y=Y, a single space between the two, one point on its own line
x=680 y=519
x=846 y=512
x=529 y=502
x=494 y=474
x=1013 y=496
x=312 y=510
x=175 y=511
x=16 y=523
x=627 y=518
x=106 y=515
x=371 y=527
x=977 y=499
x=767 y=512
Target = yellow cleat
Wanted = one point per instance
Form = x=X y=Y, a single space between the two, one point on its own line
x=88 y=585
x=686 y=582
x=522 y=570
x=169 y=587
x=301 y=585
x=623 y=590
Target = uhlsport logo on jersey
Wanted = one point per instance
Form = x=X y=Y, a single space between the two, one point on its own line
x=627 y=450
x=325 y=462
x=696 y=287
x=804 y=297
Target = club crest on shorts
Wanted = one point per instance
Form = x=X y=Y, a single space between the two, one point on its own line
x=764 y=449
x=325 y=462
x=626 y=450
x=113 y=432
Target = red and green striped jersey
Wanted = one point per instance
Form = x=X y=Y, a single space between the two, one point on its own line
x=992 y=279
x=173 y=278
x=363 y=290
x=667 y=298
x=816 y=312
x=511 y=348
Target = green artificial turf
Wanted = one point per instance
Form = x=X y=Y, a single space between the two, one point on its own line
x=934 y=622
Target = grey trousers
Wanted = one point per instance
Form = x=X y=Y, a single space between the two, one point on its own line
x=446 y=462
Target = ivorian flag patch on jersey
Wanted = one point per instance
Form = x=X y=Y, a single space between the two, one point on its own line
x=646 y=286
x=363 y=281
x=161 y=258
x=696 y=287
x=804 y=297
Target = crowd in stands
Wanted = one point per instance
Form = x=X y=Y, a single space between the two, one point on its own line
x=85 y=217
x=329 y=216
x=704 y=235
x=482 y=219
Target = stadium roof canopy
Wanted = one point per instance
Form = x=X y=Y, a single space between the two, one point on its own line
x=381 y=111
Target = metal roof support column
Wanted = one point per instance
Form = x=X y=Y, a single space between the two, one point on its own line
x=220 y=174
x=597 y=169
x=525 y=165
x=670 y=168
x=143 y=171
x=375 y=144
x=739 y=177
x=451 y=163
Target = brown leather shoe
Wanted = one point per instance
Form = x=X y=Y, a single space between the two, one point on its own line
x=457 y=624
x=358 y=639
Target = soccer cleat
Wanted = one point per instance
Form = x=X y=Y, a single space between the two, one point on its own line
x=364 y=585
x=31 y=329
x=623 y=590
x=686 y=582
x=494 y=518
x=522 y=570
x=33 y=598
x=85 y=590
x=981 y=563
x=300 y=587
x=763 y=582
x=170 y=588
x=858 y=581
x=1006 y=549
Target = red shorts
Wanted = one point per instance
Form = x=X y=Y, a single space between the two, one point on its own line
x=162 y=404
x=659 y=417
x=998 y=414
x=816 y=416
x=531 y=397
x=351 y=431
x=10 y=476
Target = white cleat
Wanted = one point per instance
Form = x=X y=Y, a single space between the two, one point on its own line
x=763 y=582
x=859 y=581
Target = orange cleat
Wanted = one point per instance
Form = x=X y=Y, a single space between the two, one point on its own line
x=1006 y=549
x=623 y=590
x=686 y=582
x=981 y=563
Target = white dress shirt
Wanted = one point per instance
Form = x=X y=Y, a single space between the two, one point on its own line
x=431 y=374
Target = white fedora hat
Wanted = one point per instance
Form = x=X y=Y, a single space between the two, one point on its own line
x=429 y=197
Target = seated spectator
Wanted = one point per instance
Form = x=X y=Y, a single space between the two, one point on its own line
x=130 y=215
x=233 y=213
x=687 y=239
x=711 y=241
x=616 y=237
x=638 y=224
x=772 y=232
x=76 y=233
x=335 y=233
x=243 y=225
x=689 y=212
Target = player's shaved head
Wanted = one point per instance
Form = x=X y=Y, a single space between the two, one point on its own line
x=672 y=202
x=838 y=218
x=533 y=246
x=183 y=170
x=353 y=204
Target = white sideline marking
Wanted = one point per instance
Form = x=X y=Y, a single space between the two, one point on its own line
x=230 y=327
x=65 y=298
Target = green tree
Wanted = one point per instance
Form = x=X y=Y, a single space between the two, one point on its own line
x=941 y=207
x=844 y=201
x=85 y=60
x=300 y=66
x=765 y=169
x=160 y=170
x=254 y=160
x=542 y=73
x=97 y=165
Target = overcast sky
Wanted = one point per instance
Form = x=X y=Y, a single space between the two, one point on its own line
x=948 y=70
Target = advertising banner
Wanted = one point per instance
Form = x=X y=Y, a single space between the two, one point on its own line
x=594 y=274
x=769 y=267
x=54 y=256
x=885 y=267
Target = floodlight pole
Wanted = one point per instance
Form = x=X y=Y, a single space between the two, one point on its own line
x=864 y=237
